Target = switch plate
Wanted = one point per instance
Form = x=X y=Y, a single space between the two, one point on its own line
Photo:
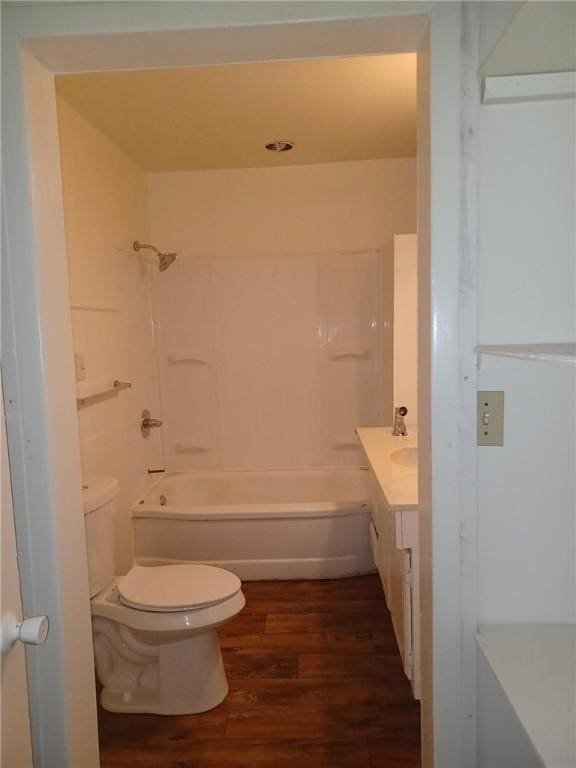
x=80 y=365
x=490 y=418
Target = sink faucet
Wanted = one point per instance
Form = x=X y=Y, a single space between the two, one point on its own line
x=399 y=428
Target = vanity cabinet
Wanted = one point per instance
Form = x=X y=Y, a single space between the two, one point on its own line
x=393 y=464
x=394 y=533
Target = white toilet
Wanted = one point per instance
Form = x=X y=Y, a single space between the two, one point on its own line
x=155 y=640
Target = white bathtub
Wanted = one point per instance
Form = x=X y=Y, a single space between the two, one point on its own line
x=260 y=524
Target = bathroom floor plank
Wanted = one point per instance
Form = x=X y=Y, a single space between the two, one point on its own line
x=127 y=732
x=245 y=623
x=319 y=622
x=347 y=691
x=323 y=720
x=322 y=596
x=255 y=753
x=315 y=682
x=294 y=642
x=242 y=663
x=383 y=666
x=384 y=753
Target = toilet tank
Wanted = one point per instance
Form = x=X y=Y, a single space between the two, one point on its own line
x=100 y=520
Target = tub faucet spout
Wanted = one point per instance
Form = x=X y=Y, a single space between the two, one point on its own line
x=399 y=428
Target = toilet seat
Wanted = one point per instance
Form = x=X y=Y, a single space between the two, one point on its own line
x=170 y=588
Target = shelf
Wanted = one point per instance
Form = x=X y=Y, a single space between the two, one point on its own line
x=562 y=354
x=189 y=357
x=188 y=446
x=348 y=354
x=92 y=391
x=534 y=664
x=345 y=443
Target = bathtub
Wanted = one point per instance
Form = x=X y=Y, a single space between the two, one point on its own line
x=260 y=524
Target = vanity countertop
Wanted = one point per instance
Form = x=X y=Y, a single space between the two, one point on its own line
x=398 y=481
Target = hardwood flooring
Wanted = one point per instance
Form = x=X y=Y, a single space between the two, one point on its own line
x=315 y=682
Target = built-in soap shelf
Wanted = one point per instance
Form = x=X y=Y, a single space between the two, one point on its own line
x=560 y=353
x=91 y=391
x=190 y=446
x=344 y=442
x=192 y=358
x=349 y=354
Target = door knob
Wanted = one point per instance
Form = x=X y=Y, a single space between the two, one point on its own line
x=33 y=631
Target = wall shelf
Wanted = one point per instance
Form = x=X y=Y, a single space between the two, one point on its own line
x=349 y=354
x=345 y=443
x=91 y=392
x=188 y=357
x=534 y=664
x=188 y=446
x=562 y=353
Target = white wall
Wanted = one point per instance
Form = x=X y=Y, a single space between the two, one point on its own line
x=527 y=494
x=105 y=210
x=16 y=743
x=527 y=240
x=251 y=294
x=406 y=325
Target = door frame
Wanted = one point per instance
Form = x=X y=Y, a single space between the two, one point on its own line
x=36 y=331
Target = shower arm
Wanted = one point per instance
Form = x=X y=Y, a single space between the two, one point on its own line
x=138 y=246
x=164 y=259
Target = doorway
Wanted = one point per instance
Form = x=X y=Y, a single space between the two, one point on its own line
x=40 y=378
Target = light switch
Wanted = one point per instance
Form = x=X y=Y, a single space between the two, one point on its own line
x=490 y=418
x=80 y=365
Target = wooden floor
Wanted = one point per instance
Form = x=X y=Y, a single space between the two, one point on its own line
x=315 y=681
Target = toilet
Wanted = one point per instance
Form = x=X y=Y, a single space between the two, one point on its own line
x=155 y=642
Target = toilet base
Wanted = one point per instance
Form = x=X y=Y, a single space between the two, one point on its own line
x=178 y=678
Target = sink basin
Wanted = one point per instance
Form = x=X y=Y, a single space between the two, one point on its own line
x=405 y=457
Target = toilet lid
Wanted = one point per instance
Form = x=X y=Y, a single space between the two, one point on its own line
x=176 y=587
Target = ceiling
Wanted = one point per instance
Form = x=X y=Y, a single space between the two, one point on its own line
x=222 y=116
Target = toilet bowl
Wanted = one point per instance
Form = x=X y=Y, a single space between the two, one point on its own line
x=155 y=641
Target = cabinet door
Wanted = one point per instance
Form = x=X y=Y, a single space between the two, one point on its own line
x=409 y=617
x=396 y=582
x=382 y=527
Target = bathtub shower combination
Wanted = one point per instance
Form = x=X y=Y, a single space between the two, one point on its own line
x=250 y=386
x=259 y=524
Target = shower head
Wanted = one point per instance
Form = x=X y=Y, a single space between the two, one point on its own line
x=164 y=259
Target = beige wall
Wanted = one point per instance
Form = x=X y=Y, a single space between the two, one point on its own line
x=105 y=211
x=263 y=295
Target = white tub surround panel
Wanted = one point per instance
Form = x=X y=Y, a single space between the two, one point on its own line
x=281 y=287
x=406 y=325
x=394 y=536
x=354 y=292
x=269 y=388
x=188 y=363
x=112 y=321
x=252 y=383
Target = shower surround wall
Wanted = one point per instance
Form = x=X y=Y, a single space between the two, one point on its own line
x=105 y=210
x=277 y=318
